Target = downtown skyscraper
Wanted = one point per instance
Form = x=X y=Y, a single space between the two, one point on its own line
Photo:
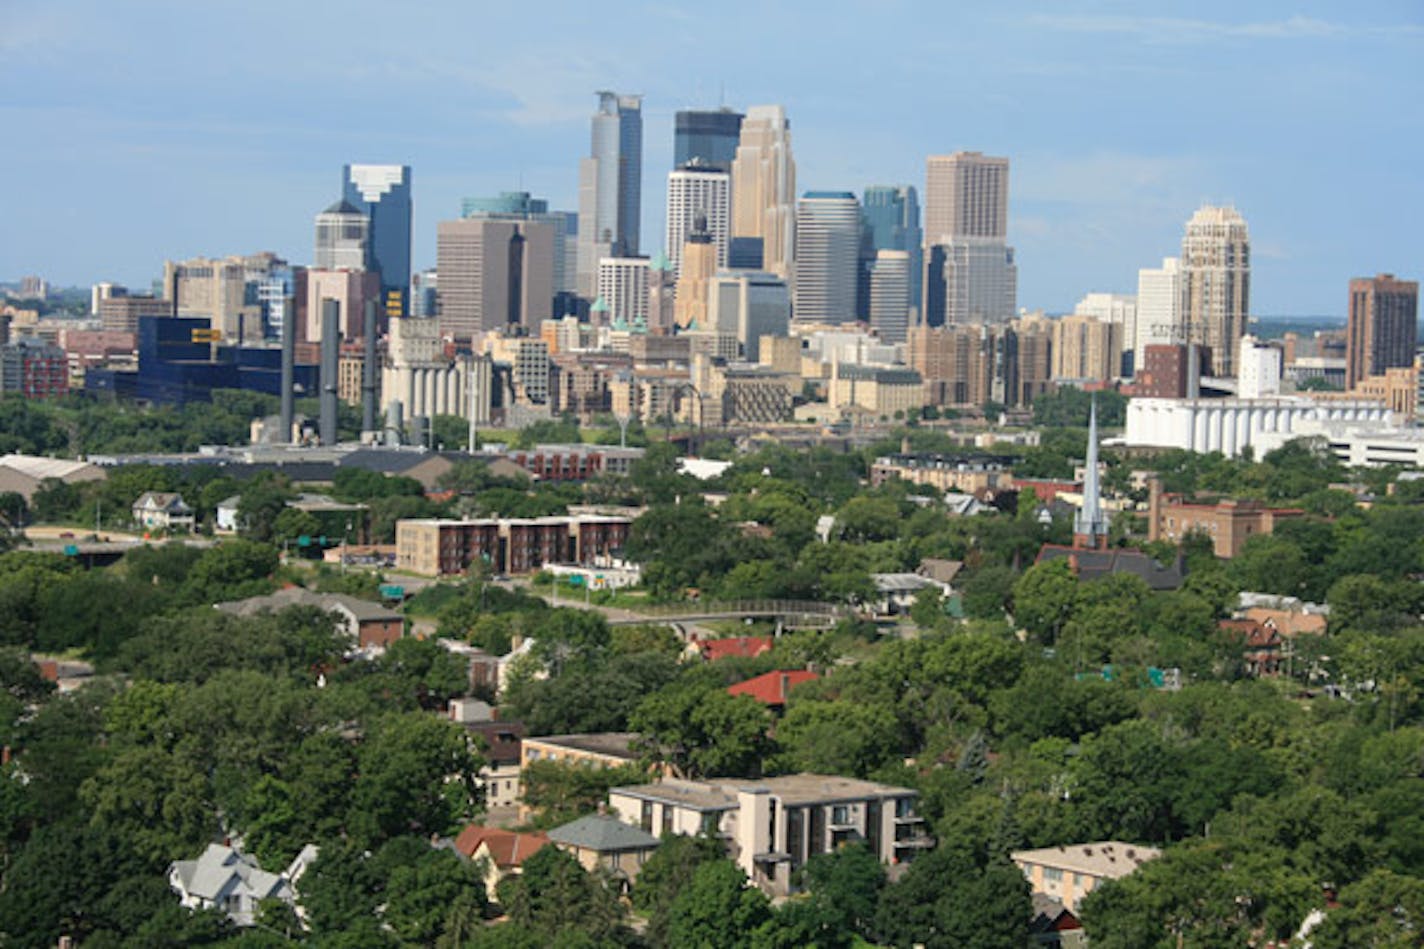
x=970 y=275
x=1216 y=284
x=828 y=231
x=1384 y=322
x=892 y=215
x=695 y=190
x=764 y=187
x=610 y=186
x=382 y=193
x=707 y=136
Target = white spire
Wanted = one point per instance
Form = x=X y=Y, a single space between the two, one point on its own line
x=1089 y=525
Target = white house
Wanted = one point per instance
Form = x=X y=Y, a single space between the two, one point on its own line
x=162 y=510
x=233 y=882
x=226 y=519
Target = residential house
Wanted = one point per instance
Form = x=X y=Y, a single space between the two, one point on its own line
x=489 y=674
x=1069 y=873
x=232 y=881
x=895 y=593
x=1053 y=925
x=773 y=826
x=742 y=646
x=225 y=519
x=940 y=571
x=772 y=688
x=372 y=625
x=503 y=852
x=603 y=841
x=501 y=744
x=161 y=510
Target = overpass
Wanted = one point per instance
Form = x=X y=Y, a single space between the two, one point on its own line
x=789 y=614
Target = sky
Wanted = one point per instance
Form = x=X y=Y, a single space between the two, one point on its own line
x=146 y=130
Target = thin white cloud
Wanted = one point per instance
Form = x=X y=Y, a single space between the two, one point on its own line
x=1181 y=30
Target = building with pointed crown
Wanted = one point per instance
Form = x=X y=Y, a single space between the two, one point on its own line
x=1090 y=526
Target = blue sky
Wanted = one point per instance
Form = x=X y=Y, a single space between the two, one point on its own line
x=142 y=130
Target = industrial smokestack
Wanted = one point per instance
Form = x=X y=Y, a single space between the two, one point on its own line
x=289 y=358
x=330 y=346
x=368 y=370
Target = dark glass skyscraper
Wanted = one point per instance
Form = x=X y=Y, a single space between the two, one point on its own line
x=709 y=137
x=892 y=215
x=382 y=193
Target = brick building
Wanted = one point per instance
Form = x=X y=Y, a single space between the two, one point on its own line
x=436 y=547
x=1229 y=522
x=34 y=368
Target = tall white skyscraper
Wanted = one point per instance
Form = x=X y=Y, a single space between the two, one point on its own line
x=827 y=251
x=692 y=190
x=1159 y=308
x=610 y=186
x=623 y=289
x=890 y=295
x=1216 y=283
x=764 y=187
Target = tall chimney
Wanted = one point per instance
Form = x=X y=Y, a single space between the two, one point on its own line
x=289 y=358
x=330 y=345
x=368 y=370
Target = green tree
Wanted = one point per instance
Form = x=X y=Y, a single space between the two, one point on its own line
x=555 y=898
x=946 y=899
x=700 y=730
x=667 y=874
x=1044 y=598
x=846 y=738
x=717 y=909
x=420 y=898
x=1385 y=910
x=416 y=776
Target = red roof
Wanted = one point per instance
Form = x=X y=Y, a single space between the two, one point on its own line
x=771 y=688
x=506 y=847
x=745 y=646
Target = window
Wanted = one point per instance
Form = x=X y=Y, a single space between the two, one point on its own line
x=1052 y=875
x=709 y=823
x=668 y=812
x=646 y=821
x=840 y=815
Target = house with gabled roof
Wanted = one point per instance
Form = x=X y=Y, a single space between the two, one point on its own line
x=772 y=688
x=503 y=851
x=226 y=879
x=162 y=510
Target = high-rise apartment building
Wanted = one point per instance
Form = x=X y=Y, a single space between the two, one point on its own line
x=890 y=281
x=494 y=274
x=969 y=270
x=1159 y=309
x=698 y=192
x=764 y=187
x=828 y=232
x=892 y=216
x=343 y=236
x=1216 y=284
x=623 y=289
x=382 y=193
x=1086 y=349
x=610 y=186
x=1384 y=314
x=710 y=137
x=1119 y=309
x=966 y=195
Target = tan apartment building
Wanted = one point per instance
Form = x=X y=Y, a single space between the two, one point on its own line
x=1068 y=874
x=1086 y=348
x=435 y=547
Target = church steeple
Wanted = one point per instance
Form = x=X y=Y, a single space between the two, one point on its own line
x=1090 y=528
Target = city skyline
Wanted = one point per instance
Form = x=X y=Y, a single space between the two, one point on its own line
x=1109 y=152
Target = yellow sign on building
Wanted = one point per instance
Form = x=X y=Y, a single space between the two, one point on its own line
x=207 y=336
